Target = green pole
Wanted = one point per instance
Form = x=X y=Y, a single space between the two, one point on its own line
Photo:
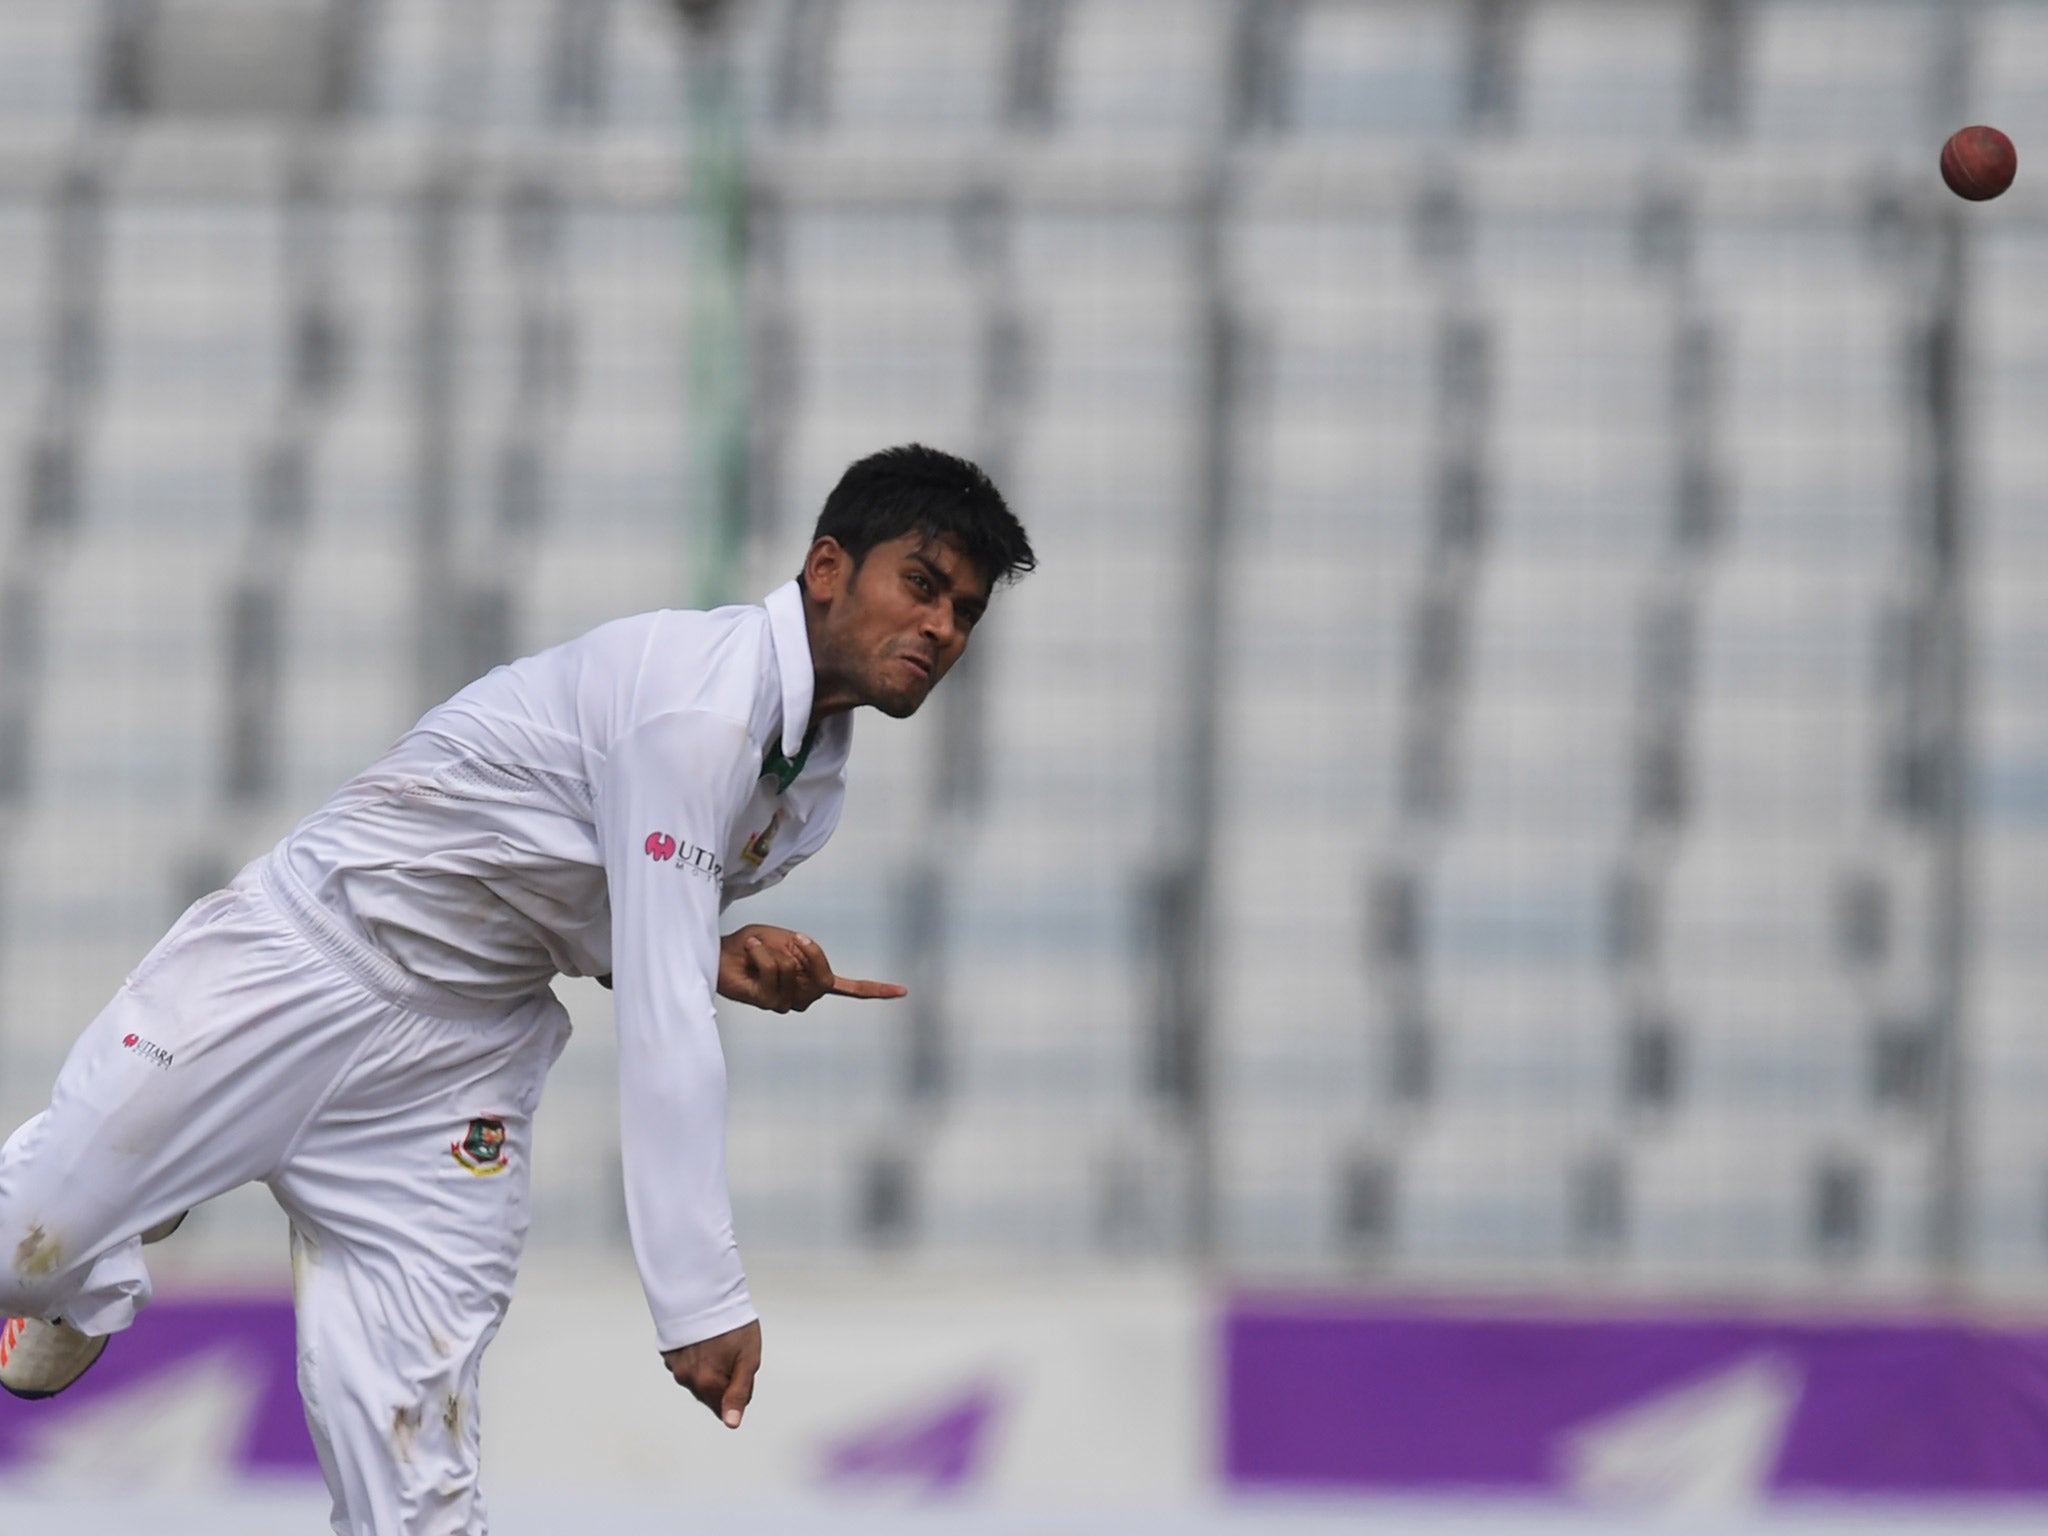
x=716 y=341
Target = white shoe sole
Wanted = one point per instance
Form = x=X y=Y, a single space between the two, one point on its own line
x=39 y=1359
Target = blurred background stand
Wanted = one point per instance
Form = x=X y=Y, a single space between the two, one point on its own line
x=1521 y=782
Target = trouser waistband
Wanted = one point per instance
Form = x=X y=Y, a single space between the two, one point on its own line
x=375 y=971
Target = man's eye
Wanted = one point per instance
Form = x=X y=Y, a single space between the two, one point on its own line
x=922 y=583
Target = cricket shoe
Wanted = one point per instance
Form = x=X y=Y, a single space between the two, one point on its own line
x=39 y=1359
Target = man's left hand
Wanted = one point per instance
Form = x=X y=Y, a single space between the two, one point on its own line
x=785 y=972
x=719 y=1372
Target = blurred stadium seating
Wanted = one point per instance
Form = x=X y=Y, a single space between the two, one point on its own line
x=1479 y=785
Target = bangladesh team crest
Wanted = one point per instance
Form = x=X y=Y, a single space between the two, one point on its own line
x=762 y=842
x=482 y=1148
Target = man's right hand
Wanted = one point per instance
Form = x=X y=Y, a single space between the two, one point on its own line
x=719 y=1372
x=784 y=971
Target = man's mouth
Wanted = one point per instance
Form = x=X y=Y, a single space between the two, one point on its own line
x=921 y=665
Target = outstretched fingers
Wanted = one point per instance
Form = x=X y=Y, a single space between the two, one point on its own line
x=818 y=974
x=785 y=971
x=847 y=986
x=818 y=971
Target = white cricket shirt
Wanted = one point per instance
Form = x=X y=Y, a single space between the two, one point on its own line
x=589 y=811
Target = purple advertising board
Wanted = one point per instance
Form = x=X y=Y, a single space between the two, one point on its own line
x=1679 y=1410
x=229 y=1367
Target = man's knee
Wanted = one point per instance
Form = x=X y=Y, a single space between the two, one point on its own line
x=39 y=1258
x=34 y=1270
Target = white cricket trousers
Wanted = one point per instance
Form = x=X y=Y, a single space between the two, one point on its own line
x=393 y=1122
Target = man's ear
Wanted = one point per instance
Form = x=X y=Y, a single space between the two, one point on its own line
x=828 y=570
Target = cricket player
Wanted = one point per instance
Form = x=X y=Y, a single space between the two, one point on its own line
x=362 y=1019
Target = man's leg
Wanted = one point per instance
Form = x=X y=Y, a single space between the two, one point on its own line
x=194 y=1079
x=41 y=1357
x=409 y=1200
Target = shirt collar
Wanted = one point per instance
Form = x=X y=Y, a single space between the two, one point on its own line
x=792 y=639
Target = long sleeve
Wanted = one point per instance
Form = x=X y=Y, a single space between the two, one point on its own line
x=672 y=789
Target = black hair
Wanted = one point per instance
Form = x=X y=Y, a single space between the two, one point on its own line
x=915 y=489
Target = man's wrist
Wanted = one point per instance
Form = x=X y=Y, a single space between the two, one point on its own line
x=696 y=1327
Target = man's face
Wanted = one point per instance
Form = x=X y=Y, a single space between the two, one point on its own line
x=891 y=629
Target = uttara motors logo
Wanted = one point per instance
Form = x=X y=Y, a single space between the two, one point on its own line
x=663 y=849
x=148 y=1050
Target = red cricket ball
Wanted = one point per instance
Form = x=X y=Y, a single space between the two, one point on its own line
x=1978 y=163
